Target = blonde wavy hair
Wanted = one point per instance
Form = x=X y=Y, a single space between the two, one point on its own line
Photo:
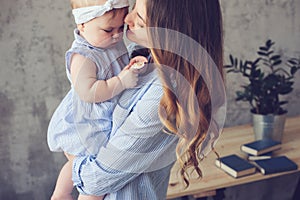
x=200 y=20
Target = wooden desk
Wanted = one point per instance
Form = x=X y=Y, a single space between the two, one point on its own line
x=229 y=143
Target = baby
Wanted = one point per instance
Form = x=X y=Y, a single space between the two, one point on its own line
x=82 y=121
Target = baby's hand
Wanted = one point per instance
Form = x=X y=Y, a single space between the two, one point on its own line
x=128 y=77
x=138 y=64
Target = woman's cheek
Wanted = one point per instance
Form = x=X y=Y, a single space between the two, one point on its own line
x=138 y=36
x=131 y=36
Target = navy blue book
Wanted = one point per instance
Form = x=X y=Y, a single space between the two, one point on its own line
x=275 y=165
x=235 y=166
x=260 y=147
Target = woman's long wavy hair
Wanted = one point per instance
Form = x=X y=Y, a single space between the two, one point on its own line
x=200 y=20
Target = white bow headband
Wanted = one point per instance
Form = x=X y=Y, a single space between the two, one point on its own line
x=85 y=14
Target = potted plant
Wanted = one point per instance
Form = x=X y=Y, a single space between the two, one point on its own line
x=268 y=80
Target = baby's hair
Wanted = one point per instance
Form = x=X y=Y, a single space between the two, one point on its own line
x=85 y=3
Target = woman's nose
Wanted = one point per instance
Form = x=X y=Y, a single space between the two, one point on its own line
x=128 y=19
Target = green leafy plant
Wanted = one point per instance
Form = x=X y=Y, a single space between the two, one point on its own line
x=269 y=78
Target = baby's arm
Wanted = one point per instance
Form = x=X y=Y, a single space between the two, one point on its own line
x=89 y=89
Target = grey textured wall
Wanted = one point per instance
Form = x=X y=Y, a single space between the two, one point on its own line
x=33 y=38
x=248 y=24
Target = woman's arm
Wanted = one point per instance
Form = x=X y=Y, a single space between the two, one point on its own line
x=89 y=89
x=136 y=146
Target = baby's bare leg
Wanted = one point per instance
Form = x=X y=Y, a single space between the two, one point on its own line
x=85 y=197
x=64 y=184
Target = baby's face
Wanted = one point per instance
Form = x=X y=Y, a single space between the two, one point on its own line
x=106 y=30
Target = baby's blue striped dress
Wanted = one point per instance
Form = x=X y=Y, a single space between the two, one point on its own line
x=78 y=127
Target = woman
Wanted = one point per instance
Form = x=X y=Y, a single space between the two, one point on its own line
x=177 y=107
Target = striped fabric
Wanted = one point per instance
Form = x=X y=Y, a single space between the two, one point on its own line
x=136 y=161
x=76 y=127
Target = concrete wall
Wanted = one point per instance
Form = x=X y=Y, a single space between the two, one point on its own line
x=248 y=24
x=33 y=38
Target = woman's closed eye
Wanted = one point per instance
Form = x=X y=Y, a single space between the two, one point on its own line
x=140 y=22
x=140 y=25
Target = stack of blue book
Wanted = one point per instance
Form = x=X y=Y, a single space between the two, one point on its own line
x=259 y=157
